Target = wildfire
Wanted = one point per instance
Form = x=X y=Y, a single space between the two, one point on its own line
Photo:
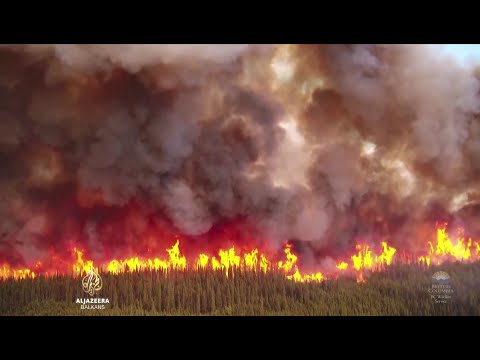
x=291 y=260
x=81 y=266
x=424 y=260
x=251 y=260
x=290 y=264
x=18 y=274
x=202 y=261
x=445 y=248
x=264 y=263
x=366 y=259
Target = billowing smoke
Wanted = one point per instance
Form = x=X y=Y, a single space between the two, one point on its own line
x=119 y=146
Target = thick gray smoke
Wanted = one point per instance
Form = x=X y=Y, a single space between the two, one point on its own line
x=314 y=143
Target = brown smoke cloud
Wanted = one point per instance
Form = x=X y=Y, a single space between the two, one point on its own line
x=315 y=143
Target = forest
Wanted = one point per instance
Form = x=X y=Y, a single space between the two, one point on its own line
x=399 y=290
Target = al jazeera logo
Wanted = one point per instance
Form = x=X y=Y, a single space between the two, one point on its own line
x=92 y=284
x=441 y=290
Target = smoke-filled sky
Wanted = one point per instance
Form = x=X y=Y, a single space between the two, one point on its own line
x=110 y=145
x=464 y=52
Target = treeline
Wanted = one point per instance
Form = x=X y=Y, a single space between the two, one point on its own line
x=401 y=290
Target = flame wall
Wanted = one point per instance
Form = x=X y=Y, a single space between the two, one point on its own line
x=123 y=148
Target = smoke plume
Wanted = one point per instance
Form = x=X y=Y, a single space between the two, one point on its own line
x=118 y=146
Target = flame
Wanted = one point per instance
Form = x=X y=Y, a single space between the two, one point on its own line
x=202 y=261
x=216 y=264
x=445 y=246
x=114 y=267
x=363 y=259
x=264 y=263
x=387 y=255
x=228 y=259
x=178 y=261
x=366 y=259
x=291 y=264
x=445 y=249
x=7 y=272
x=81 y=266
x=291 y=260
x=251 y=260
x=424 y=260
x=298 y=277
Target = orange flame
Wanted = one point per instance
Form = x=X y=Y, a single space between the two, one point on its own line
x=264 y=263
x=446 y=249
x=80 y=266
x=202 y=261
x=7 y=272
x=229 y=261
x=251 y=260
x=366 y=260
x=291 y=260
